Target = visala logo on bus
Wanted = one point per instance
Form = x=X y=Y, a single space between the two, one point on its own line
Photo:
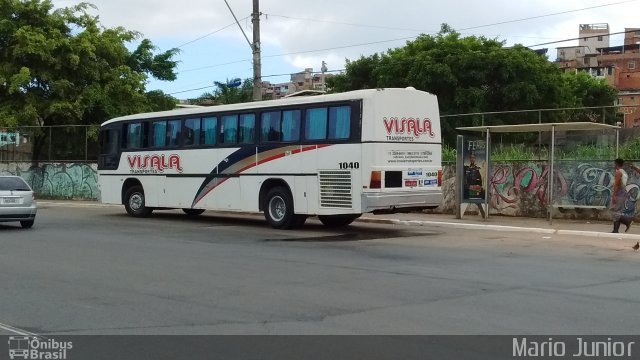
x=411 y=128
x=154 y=164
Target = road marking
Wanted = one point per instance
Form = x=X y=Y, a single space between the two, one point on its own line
x=18 y=331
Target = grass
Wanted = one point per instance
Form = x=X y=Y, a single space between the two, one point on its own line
x=628 y=151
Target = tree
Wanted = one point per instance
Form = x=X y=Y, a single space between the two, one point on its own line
x=61 y=67
x=225 y=94
x=474 y=74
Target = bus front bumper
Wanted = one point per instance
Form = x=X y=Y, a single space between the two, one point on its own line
x=399 y=201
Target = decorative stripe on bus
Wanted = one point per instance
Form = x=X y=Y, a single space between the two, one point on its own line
x=243 y=160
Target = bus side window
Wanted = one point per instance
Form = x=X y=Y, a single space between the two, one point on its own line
x=109 y=142
x=209 y=129
x=316 y=124
x=159 y=134
x=191 y=132
x=133 y=136
x=229 y=129
x=291 y=125
x=109 y=146
x=270 y=126
x=174 y=130
x=339 y=122
x=247 y=129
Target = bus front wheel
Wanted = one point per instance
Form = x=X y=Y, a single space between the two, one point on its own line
x=278 y=209
x=134 y=202
x=337 y=220
x=193 y=212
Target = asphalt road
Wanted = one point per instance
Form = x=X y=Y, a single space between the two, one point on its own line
x=86 y=270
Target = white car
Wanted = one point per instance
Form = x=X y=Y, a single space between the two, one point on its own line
x=17 y=201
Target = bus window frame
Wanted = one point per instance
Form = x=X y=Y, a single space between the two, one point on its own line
x=355 y=130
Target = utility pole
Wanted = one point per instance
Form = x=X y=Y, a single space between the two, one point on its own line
x=255 y=47
x=257 y=64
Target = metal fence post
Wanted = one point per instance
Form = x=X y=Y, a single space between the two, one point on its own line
x=50 y=141
x=86 y=143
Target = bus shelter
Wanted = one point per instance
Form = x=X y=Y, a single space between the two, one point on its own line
x=552 y=128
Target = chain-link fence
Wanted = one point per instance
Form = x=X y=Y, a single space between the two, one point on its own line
x=570 y=145
x=49 y=143
x=80 y=142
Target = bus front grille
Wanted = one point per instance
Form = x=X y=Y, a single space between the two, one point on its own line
x=335 y=189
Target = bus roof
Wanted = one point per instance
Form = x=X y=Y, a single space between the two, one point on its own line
x=351 y=95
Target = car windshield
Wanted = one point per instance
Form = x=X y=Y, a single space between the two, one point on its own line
x=13 y=184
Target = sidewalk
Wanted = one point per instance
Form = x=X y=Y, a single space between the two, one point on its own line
x=507 y=223
x=597 y=229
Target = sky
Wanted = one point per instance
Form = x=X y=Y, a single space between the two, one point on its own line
x=299 y=34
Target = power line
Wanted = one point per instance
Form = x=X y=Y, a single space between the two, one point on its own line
x=190 y=90
x=390 y=28
x=263 y=76
x=547 y=15
x=379 y=42
x=463 y=29
x=414 y=37
x=209 y=34
x=299 y=52
x=584 y=37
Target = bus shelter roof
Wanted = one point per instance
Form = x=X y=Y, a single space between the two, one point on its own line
x=570 y=126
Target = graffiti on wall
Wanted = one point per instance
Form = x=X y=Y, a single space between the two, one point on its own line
x=58 y=180
x=521 y=188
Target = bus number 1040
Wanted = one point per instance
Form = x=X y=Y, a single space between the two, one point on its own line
x=349 y=165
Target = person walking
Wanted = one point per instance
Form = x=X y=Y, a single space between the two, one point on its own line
x=619 y=197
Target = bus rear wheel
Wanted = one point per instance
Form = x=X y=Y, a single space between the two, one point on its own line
x=278 y=209
x=337 y=220
x=193 y=212
x=134 y=202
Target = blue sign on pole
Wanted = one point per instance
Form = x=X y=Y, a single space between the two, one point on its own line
x=234 y=82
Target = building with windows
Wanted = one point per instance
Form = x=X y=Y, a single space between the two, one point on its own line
x=304 y=80
x=619 y=66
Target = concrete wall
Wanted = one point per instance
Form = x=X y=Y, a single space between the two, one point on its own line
x=520 y=188
x=57 y=180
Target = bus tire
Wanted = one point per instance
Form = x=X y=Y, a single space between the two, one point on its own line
x=337 y=220
x=193 y=212
x=299 y=221
x=278 y=209
x=134 y=202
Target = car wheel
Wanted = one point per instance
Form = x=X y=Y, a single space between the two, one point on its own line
x=27 y=224
x=193 y=212
x=278 y=209
x=134 y=202
x=337 y=220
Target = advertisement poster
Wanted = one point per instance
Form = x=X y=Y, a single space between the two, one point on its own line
x=475 y=166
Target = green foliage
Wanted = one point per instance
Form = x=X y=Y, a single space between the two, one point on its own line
x=449 y=153
x=474 y=74
x=518 y=153
x=628 y=151
x=232 y=95
x=224 y=94
x=60 y=66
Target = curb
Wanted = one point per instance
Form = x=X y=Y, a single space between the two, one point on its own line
x=74 y=204
x=457 y=225
x=503 y=228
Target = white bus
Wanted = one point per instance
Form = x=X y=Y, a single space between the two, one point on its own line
x=335 y=156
